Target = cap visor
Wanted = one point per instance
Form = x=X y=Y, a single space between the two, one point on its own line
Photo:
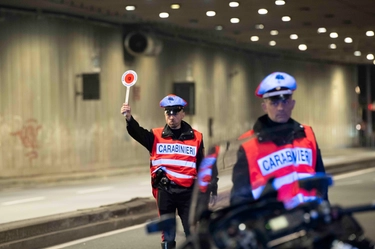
x=276 y=93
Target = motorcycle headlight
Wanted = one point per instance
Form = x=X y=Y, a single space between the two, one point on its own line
x=278 y=223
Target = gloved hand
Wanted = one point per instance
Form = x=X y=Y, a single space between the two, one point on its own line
x=213 y=199
x=213 y=192
x=126 y=111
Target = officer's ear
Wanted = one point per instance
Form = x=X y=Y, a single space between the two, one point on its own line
x=293 y=103
x=264 y=107
x=182 y=114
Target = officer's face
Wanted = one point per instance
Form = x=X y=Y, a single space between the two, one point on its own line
x=174 y=120
x=279 y=109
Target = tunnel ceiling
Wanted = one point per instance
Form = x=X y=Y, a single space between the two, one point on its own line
x=352 y=21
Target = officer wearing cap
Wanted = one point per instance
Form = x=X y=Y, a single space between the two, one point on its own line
x=176 y=151
x=277 y=147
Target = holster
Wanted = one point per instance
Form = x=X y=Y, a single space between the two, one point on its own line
x=160 y=180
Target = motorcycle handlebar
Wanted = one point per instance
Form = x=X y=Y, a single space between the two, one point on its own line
x=271 y=229
x=359 y=209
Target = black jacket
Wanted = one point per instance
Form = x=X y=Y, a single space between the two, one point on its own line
x=266 y=130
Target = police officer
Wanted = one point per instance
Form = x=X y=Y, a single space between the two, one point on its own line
x=277 y=147
x=176 y=151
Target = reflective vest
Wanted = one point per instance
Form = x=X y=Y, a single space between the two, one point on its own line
x=177 y=158
x=205 y=170
x=286 y=163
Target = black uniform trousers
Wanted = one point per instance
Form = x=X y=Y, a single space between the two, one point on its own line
x=171 y=198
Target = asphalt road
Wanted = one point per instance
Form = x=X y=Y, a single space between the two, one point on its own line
x=59 y=197
x=353 y=189
x=129 y=238
x=350 y=189
x=43 y=200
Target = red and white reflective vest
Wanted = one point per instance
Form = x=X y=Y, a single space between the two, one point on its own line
x=177 y=158
x=205 y=170
x=286 y=163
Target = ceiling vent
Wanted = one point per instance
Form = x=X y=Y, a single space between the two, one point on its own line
x=139 y=43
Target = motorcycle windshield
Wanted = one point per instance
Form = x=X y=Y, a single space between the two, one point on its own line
x=232 y=173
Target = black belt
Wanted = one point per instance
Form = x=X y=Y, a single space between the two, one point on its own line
x=175 y=185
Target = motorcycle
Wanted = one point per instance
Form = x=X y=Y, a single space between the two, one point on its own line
x=265 y=223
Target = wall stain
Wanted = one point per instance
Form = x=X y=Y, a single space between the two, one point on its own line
x=28 y=135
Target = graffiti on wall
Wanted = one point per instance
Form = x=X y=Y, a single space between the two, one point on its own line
x=28 y=135
x=137 y=93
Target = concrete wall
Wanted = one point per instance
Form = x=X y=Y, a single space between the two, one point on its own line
x=46 y=128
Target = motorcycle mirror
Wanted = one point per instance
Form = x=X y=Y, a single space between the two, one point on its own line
x=164 y=223
x=318 y=181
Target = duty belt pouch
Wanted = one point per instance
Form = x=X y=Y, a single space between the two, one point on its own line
x=160 y=180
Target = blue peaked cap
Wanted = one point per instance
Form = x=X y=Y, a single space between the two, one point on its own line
x=172 y=100
x=277 y=83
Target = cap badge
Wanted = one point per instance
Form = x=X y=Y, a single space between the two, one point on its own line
x=279 y=77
